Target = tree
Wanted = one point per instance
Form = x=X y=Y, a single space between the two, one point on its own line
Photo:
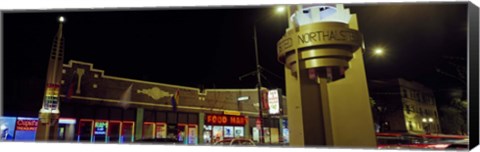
x=453 y=121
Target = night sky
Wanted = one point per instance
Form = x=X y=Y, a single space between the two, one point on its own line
x=214 y=46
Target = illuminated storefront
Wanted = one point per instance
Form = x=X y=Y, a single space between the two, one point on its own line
x=218 y=127
x=105 y=109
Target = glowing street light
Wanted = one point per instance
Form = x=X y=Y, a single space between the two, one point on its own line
x=430 y=119
x=280 y=9
x=378 y=52
x=424 y=120
x=61 y=19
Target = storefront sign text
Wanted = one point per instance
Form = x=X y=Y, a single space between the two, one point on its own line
x=225 y=120
x=27 y=125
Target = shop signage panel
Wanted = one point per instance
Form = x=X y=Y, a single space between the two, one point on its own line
x=26 y=129
x=274 y=97
x=213 y=119
x=26 y=124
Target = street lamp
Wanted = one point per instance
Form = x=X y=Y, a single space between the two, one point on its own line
x=258 y=72
x=61 y=19
x=378 y=51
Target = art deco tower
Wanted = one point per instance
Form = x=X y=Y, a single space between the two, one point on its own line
x=50 y=111
x=327 y=93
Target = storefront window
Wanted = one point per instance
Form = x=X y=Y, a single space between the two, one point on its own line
x=100 y=131
x=181 y=134
x=128 y=128
x=207 y=134
x=148 y=130
x=228 y=132
x=217 y=133
x=172 y=131
x=239 y=132
x=85 y=130
x=114 y=131
x=161 y=130
x=192 y=134
x=255 y=134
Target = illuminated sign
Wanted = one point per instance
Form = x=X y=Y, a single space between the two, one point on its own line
x=26 y=125
x=243 y=98
x=67 y=121
x=26 y=129
x=274 y=101
x=225 y=120
x=228 y=112
x=51 y=97
x=100 y=128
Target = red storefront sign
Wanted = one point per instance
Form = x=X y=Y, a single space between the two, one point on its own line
x=258 y=123
x=27 y=125
x=225 y=120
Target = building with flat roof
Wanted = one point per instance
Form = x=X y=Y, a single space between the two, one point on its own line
x=404 y=106
x=95 y=107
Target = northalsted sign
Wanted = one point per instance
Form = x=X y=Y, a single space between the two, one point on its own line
x=225 y=120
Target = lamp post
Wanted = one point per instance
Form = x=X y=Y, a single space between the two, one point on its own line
x=258 y=74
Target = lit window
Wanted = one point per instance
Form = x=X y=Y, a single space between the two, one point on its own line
x=95 y=86
x=64 y=71
x=62 y=82
x=95 y=75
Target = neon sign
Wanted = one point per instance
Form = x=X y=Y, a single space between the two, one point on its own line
x=225 y=120
x=27 y=125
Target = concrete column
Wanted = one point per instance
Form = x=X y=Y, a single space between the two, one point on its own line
x=201 y=122
x=304 y=110
x=139 y=124
x=280 y=128
x=69 y=132
x=246 y=128
x=351 y=116
x=47 y=128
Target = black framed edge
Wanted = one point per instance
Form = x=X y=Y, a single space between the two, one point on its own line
x=473 y=63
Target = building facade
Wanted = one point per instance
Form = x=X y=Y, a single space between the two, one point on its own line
x=95 y=107
x=404 y=106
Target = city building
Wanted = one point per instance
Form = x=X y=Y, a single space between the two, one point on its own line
x=404 y=106
x=95 y=107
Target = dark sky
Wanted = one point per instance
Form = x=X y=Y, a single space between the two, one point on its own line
x=214 y=46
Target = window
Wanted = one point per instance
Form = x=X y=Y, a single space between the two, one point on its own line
x=404 y=92
x=410 y=125
x=407 y=108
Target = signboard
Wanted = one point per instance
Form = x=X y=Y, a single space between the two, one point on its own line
x=7 y=128
x=52 y=93
x=274 y=97
x=258 y=123
x=243 y=98
x=26 y=129
x=229 y=112
x=265 y=99
x=212 y=119
x=26 y=125
x=100 y=128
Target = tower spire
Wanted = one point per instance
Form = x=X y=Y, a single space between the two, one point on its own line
x=50 y=111
x=54 y=72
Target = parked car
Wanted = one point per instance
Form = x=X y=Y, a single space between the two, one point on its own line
x=159 y=141
x=236 y=142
